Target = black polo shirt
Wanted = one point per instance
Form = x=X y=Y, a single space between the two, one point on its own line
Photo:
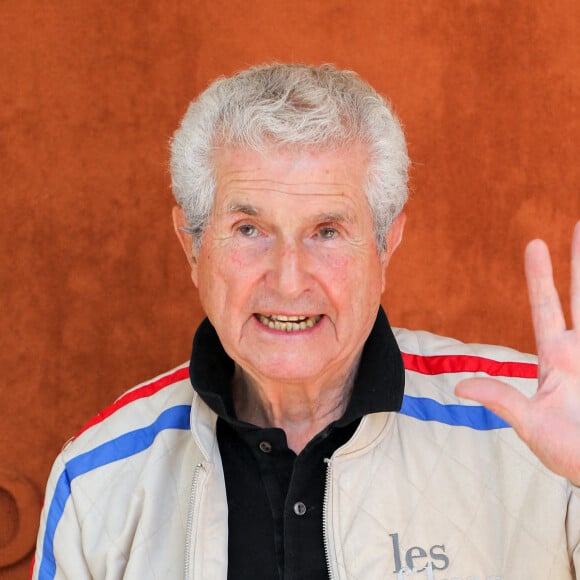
x=275 y=497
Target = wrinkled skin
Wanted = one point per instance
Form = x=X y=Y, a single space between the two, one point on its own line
x=291 y=235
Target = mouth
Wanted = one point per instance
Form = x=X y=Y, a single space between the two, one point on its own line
x=288 y=323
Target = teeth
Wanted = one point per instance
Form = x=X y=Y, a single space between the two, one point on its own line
x=284 y=318
x=288 y=323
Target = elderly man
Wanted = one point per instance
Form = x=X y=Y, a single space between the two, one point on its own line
x=306 y=438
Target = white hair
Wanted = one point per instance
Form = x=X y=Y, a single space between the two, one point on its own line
x=289 y=105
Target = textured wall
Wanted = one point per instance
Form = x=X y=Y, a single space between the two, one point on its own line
x=95 y=291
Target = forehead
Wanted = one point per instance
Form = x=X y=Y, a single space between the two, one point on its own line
x=306 y=174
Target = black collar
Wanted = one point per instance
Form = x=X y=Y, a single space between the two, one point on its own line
x=378 y=385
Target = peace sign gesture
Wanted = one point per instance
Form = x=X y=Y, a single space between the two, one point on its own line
x=548 y=422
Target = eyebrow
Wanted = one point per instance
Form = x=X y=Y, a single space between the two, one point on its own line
x=333 y=218
x=242 y=208
x=322 y=217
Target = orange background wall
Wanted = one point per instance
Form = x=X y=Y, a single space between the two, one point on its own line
x=95 y=292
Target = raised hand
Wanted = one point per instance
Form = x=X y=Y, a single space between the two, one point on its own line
x=548 y=422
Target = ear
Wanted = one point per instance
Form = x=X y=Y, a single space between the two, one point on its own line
x=394 y=238
x=186 y=241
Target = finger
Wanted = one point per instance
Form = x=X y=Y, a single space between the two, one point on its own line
x=547 y=315
x=575 y=273
x=505 y=401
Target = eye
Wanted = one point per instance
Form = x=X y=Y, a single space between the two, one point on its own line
x=248 y=230
x=327 y=233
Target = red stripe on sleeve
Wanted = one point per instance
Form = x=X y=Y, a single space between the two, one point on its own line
x=463 y=363
x=140 y=393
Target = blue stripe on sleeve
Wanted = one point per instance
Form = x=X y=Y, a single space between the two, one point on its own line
x=62 y=491
x=124 y=446
x=474 y=417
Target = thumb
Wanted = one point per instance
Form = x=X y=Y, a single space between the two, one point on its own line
x=502 y=399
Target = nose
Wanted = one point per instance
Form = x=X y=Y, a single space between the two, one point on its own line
x=290 y=269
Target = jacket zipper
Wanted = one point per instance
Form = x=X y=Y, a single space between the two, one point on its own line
x=330 y=563
x=192 y=519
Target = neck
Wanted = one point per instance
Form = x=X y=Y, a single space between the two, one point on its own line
x=301 y=410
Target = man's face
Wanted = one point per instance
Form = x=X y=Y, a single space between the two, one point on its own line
x=288 y=272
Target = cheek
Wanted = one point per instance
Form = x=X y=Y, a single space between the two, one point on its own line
x=356 y=268
x=356 y=281
x=240 y=261
x=240 y=266
x=225 y=276
x=333 y=263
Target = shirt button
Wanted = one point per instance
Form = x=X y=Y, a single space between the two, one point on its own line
x=299 y=508
x=265 y=447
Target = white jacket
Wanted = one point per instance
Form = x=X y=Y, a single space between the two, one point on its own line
x=442 y=490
